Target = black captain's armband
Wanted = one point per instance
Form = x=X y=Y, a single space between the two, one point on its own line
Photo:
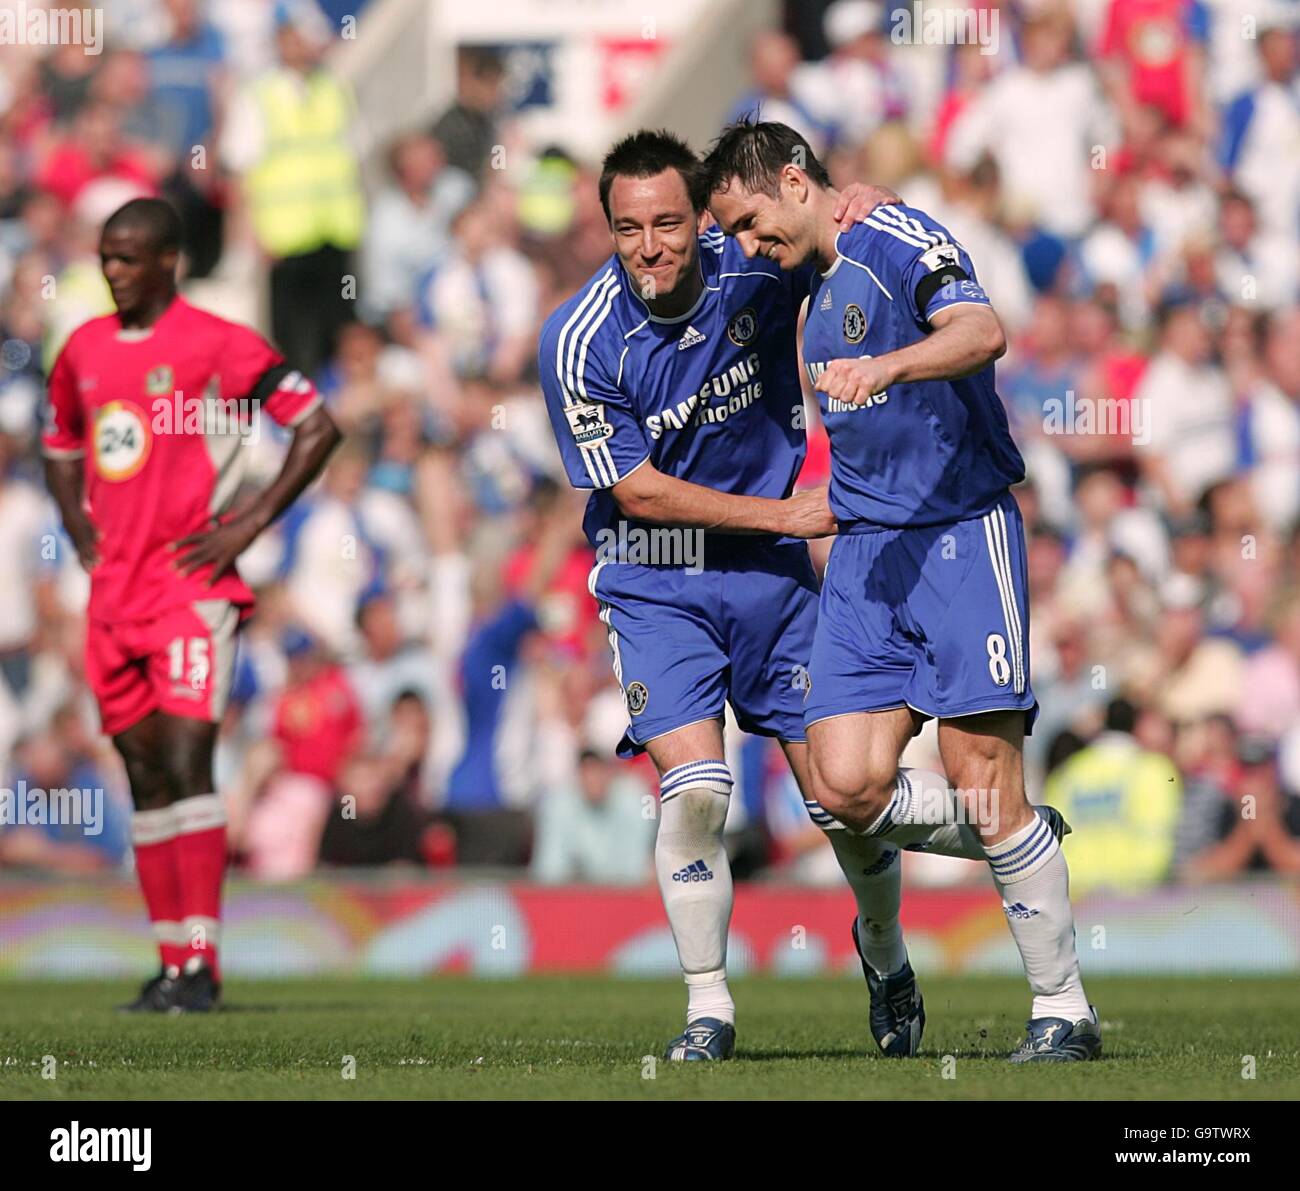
x=279 y=376
x=932 y=283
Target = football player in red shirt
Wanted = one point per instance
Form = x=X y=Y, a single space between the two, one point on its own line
x=148 y=410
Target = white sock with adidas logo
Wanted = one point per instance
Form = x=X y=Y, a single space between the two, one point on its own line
x=874 y=870
x=925 y=814
x=1030 y=873
x=695 y=880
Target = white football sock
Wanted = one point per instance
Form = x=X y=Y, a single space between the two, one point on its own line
x=695 y=880
x=925 y=811
x=874 y=871
x=1030 y=873
x=707 y=995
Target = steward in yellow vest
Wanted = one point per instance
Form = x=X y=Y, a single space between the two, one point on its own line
x=1123 y=802
x=305 y=189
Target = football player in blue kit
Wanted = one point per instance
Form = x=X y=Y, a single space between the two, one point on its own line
x=671 y=379
x=924 y=608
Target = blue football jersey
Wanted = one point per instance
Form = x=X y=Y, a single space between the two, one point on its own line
x=922 y=452
x=711 y=397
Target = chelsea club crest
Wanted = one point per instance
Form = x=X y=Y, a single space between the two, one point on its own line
x=855 y=323
x=637 y=697
x=743 y=325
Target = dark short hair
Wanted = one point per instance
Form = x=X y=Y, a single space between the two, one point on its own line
x=409 y=694
x=1121 y=715
x=1172 y=303
x=482 y=61
x=157 y=217
x=1064 y=745
x=646 y=153
x=756 y=153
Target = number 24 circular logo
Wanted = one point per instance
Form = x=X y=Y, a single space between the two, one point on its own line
x=122 y=441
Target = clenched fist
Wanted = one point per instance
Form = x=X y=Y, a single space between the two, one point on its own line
x=856 y=381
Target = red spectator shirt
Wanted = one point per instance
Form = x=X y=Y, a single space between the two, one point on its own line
x=68 y=170
x=159 y=416
x=567 y=609
x=1155 y=39
x=318 y=724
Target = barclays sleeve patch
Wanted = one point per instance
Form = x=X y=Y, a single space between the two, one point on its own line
x=587 y=424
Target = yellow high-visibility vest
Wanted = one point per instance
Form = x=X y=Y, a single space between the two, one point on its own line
x=306 y=189
x=1124 y=804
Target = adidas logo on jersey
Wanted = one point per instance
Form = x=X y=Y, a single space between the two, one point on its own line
x=699 y=871
x=827 y=302
x=691 y=338
x=1018 y=910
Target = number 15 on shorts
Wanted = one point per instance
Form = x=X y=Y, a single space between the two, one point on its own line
x=189 y=661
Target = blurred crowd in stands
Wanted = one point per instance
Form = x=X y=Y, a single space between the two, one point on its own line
x=426 y=681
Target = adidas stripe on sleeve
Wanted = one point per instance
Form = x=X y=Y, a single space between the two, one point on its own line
x=931 y=270
x=599 y=435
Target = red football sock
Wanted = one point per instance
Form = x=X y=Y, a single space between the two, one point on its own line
x=201 y=864
x=153 y=835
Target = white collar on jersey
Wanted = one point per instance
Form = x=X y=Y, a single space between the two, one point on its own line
x=838 y=257
x=681 y=318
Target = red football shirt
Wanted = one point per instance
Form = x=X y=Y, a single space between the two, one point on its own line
x=1155 y=38
x=160 y=417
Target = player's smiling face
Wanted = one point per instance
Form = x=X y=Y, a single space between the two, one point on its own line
x=655 y=229
x=762 y=225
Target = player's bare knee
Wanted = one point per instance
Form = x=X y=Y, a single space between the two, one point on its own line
x=187 y=760
x=150 y=789
x=857 y=793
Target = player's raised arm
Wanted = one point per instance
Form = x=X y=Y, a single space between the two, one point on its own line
x=254 y=368
x=964 y=334
x=966 y=340
x=314 y=438
x=858 y=199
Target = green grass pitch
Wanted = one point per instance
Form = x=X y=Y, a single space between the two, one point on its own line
x=543 y=1038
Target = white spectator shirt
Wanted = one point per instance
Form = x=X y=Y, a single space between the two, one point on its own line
x=335 y=561
x=475 y=306
x=1189 y=412
x=1041 y=130
x=1268 y=166
x=1264 y=276
x=404 y=240
x=1109 y=257
x=24 y=517
x=1233 y=60
x=1178 y=214
x=847 y=94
